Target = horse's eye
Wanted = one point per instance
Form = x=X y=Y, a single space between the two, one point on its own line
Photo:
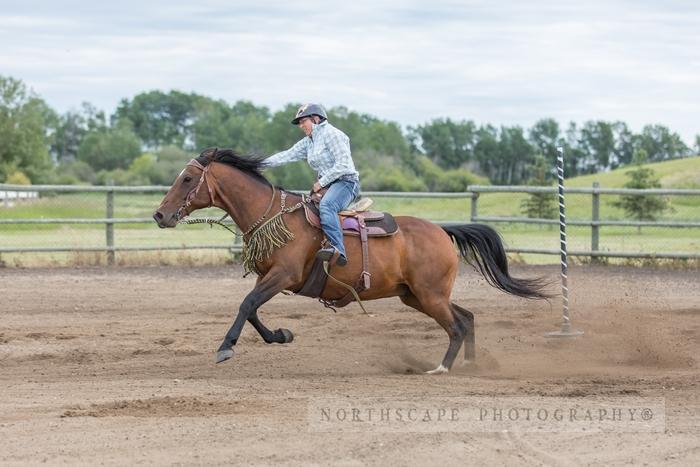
x=187 y=179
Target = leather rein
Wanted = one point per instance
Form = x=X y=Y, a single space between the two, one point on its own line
x=204 y=179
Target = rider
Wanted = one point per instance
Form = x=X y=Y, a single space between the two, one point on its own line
x=327 y=150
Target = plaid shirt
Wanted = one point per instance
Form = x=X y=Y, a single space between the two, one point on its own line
x=327 y=150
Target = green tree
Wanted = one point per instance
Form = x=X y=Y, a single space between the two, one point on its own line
x=368 y=133
x=245 y=128
x=159 y=119
x=539 y=205
x=661 y=144
x=18 y=178
x=642 y=207
x=598 y=143
x=545 y=137
x=385 y=175
x=624 y=145
x=71 y=128
x=449 y=144
x=74 y=173
x=574 y=155
x=208 y=129
x=486 y=151
x=24 y=119
x=109 y=149
x=169 y=162
x=281 y=133
x=293 y=176
x=438 y=180
x=514 y=155
x=70 y=131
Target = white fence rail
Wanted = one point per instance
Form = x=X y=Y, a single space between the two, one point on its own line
x=8 y=197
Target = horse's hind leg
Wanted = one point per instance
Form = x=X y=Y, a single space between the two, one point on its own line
x=440 y=309
x=467 y=318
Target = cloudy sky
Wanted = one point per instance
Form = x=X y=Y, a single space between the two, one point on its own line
x=508 y=62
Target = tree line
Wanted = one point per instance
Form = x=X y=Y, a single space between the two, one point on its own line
x=149 y=137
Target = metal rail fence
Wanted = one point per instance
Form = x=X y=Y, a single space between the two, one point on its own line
x=476 y=196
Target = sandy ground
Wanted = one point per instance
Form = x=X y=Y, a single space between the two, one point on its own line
x=116 y=366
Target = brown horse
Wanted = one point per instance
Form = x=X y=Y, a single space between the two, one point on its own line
x=418 y=264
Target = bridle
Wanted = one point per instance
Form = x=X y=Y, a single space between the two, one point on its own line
x=193 y=192
x=203 y=179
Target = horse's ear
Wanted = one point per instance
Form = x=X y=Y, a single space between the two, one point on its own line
x=211 y=155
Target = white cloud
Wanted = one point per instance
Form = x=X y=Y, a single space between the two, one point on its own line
x=499 y=62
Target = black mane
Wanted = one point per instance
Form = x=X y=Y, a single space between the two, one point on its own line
x=252 y=165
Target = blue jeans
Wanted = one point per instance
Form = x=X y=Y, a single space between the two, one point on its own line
x=338 y=197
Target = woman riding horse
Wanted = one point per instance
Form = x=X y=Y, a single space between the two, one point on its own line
x=418 y=263
x=327 y=149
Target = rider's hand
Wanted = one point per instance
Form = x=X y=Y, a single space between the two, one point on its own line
x=317 y=187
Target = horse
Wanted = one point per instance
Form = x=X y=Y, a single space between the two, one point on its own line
x=418 y=264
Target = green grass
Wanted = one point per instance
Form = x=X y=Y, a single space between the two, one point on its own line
x=679 y=173
x=684 y=173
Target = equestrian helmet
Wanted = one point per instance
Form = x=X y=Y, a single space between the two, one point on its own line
x=308 y=110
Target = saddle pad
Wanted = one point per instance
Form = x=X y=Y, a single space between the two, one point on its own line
x=375 y=228
x=379 y=224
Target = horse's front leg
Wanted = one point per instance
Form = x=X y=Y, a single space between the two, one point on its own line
x=269 y=286
x=279 y=336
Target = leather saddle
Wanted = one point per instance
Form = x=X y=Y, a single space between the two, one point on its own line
x=356 y=221
x=378 y=224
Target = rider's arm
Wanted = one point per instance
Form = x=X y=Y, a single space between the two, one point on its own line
x=295 y=153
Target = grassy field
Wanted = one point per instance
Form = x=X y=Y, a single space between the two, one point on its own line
x=684 y=173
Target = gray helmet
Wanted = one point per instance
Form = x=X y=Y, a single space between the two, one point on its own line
x=308 y=110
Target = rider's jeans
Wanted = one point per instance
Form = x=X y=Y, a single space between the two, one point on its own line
x=338 y=197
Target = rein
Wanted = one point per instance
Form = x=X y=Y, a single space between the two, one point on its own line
x=261 y=238
x=203 y=179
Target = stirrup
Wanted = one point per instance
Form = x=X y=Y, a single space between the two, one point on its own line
x=327 y=254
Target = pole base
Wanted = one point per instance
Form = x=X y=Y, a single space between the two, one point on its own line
x=565 y=331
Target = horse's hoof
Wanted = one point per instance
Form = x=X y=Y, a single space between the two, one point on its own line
x=288 y=336
x=437 y=371
x=223 y=355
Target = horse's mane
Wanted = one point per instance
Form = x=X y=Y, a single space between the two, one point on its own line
x=251 y=165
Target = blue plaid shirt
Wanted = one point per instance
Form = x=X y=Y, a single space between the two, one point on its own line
x=327 y=150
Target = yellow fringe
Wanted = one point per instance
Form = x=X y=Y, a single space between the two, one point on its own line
x=267 y=238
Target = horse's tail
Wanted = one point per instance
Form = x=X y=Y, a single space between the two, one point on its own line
x=481 y=246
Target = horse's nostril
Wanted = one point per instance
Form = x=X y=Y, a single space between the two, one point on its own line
x=158 y=215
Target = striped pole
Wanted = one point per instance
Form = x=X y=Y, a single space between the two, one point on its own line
x=566 y=330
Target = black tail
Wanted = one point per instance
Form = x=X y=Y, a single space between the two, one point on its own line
x=481 y=246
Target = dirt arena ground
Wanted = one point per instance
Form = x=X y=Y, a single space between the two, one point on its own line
x=116 y=366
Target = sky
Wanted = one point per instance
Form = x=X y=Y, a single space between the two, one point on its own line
x=501 y=62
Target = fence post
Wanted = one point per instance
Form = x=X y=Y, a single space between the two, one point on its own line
x=475 y=201
x=109 y=227
x=595 y=217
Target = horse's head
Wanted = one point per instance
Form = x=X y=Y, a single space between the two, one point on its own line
x=191 y=191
